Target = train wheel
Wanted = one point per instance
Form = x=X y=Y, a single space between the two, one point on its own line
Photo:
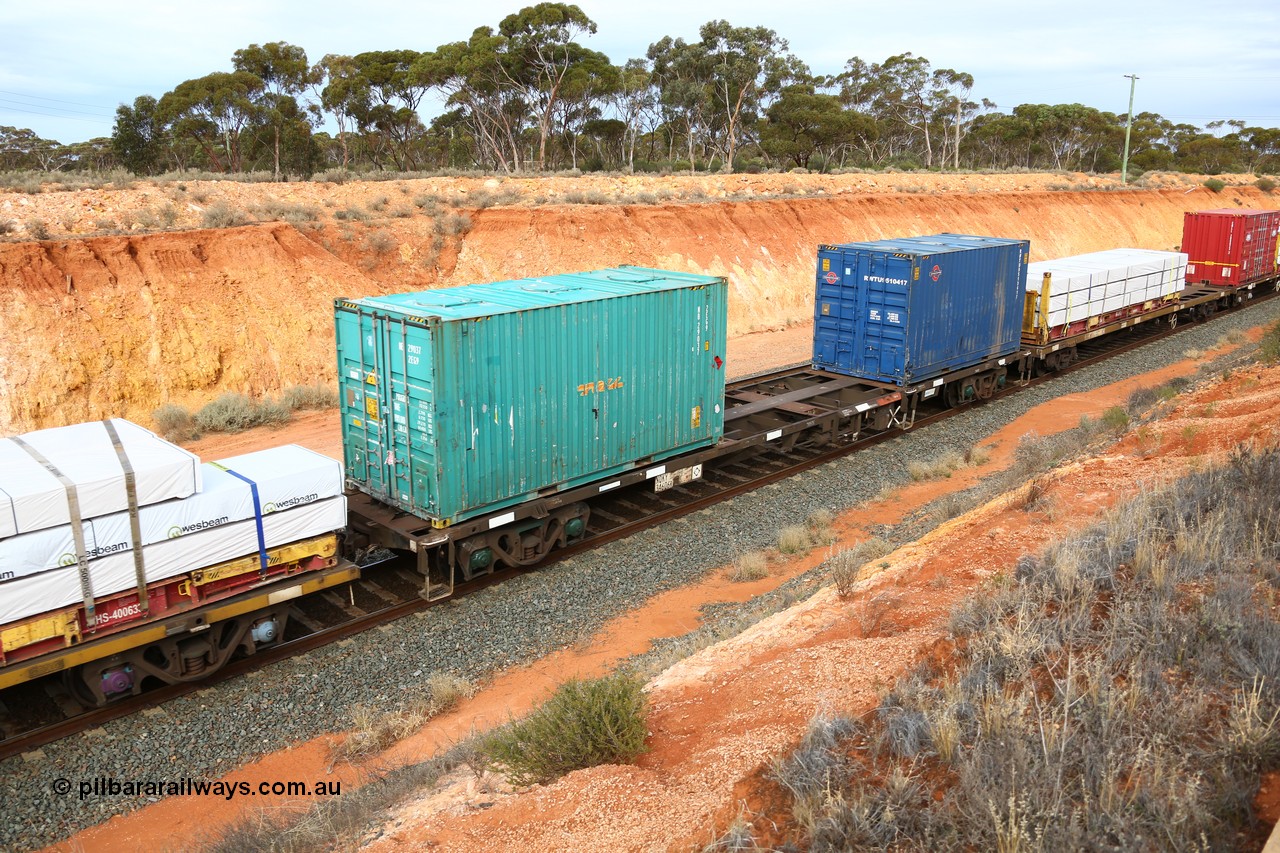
x=172 y=660
x=951 y=395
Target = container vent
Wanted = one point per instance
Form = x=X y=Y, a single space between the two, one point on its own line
x=445 y=302
x=547 y=287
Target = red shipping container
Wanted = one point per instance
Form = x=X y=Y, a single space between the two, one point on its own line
x=1229 y=248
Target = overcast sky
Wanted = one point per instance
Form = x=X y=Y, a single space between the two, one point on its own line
x=66 y=65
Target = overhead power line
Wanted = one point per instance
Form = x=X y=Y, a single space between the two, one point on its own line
x=8 y=109
x=7 y=103
x=43 y=98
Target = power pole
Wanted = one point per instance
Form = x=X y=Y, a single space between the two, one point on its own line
x=1128 y=129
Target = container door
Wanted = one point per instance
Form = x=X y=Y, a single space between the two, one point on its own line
x=360 y=360
x=382 y=457
x=835 y=312
x=884 y=287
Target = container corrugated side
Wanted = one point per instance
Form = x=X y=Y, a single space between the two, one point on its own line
x=467 y=400
x=1229 y=248
x=902 y=311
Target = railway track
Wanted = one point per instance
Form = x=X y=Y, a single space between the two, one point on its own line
x=42 y=711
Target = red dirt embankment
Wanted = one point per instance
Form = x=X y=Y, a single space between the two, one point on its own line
x=120 y=325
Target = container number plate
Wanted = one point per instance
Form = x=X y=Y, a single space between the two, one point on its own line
x=677 y=478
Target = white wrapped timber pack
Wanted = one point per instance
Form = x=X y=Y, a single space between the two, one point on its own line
x=1089 y=285
x=49 y=476
x=50 y=590
x=282 y=477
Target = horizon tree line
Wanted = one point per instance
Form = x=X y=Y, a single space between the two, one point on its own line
x=527 y=96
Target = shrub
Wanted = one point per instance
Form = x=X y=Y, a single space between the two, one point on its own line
x=151 y=218
x=1269 y=346
x=794 y=539
x=381 y=242
x=38 y=229
x=583 y=724
x=1115 y=418
x=222 y=215
x=374 y=730
x=238 y=412
x=22 y=182
x=335 y=176
x=935 y=469
x=1215 y=184
x=1047 y=727
x=173 y=422
x=1140 y=400
x=456 y=225
x=1265 y=184
x=749 y=567
x=283 y=211
x=298 y=397
x=352 y=212
x=846 y=566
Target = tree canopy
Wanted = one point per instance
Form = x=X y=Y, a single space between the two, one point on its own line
x=528 y=94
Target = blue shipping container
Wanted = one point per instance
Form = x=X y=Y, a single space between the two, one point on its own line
x=903 y=311
x=465 y=400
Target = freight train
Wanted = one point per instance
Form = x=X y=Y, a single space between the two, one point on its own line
x=481 y=423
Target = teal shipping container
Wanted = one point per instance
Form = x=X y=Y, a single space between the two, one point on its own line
x=462 y=401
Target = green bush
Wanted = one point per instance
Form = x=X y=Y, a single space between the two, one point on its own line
x=1115 y=418
x=295 y=214
x=352 y=212
x=749 y=567
x=1216 y=184
x=238 y=412
x=1269 y=346
x=150 y=218
x=222 y=215
x=846 y=566
x=1265 y=184
x=795 y=539
x=298 y=397
x=173 y=422
x=583 y=724
x=1068 y=677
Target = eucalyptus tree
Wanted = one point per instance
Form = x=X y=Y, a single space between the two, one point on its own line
x=634 y=99
x=475 y=76
x=548 y=63
x=584 y=92
x=1260 y=147
x=386 y=92
x=1070 y=134
x=137 y=137
x=23 y=148
x=285 y=74
x=803 y=123
x=908 y=92
x=344 y=94
x=679 y=73
x=745 y=68
x=213 y=111
x=859 y=93
x=951 y=91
